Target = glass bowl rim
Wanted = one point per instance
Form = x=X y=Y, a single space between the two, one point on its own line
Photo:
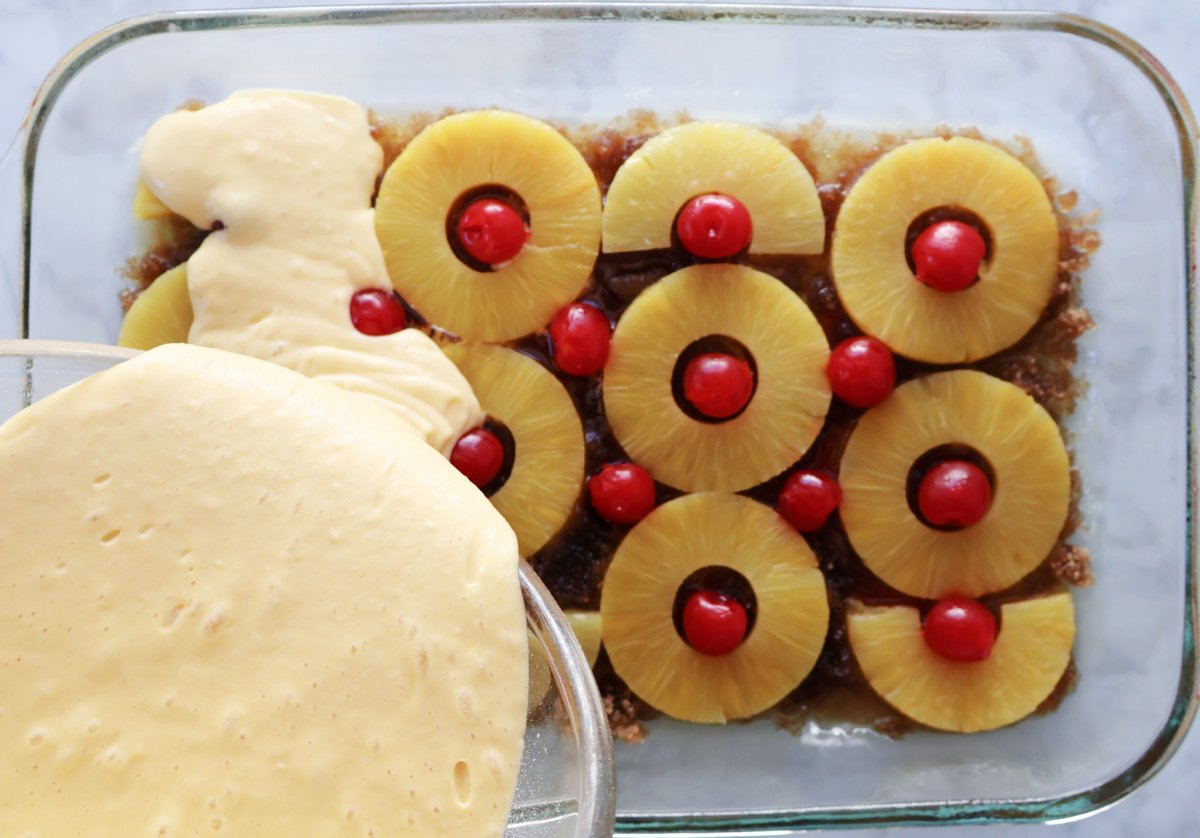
x=1060 y=808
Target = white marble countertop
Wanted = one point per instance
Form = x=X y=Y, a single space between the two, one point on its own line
x=33 y=35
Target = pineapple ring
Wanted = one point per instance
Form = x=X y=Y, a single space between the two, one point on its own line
x=880 y=291
x=704 y=157
x=547 y=472
x=638 y=598
x=586 y=626
x=781 y=420
x=1032 y=651
x=1030 y=497
x=147 y=206
x=465 y=151
x=161 y=314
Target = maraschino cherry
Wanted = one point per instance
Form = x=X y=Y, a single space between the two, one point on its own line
x=580 y=335
x=861 y=371
x=718 y=385
x=714 y=226
x=479 y=455
x=947 y=255
x=491 y=231
x=960 y=629
x=713 y=623
x=622 y=493
x=954 y=493
x=808 y=499
x=376 y=312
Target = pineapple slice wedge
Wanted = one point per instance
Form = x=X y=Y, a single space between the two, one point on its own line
x=781 y=420
x=147 y=206
x=882 y=294
x=161 y=314
x=705 y=157
x=1032 y=651
x=548 y=453
x=586 y=625
x=1030 y=496
x=489 y=148
x=638 y=597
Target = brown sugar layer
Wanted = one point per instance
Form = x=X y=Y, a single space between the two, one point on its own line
x=574 y=562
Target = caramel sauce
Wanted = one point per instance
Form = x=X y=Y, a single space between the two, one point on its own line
x=573 y=563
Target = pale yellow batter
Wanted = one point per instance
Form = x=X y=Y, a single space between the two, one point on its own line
x=290 y=176
x=236 y=601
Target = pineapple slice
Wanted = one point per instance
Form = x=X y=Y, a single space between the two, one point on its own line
x=489 y=148
x=586 y=625
x=147 y=206
x=161 y=314
x=880 y=291
x=1031 y=654
x=547 y=471
x=638 y=597
x=781 y=420
x=1030 y=496
x=705 y=157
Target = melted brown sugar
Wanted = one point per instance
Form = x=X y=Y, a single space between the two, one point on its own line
x=573 y=563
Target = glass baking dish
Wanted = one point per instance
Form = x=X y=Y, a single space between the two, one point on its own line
x=565 y=787
x=1103 y=116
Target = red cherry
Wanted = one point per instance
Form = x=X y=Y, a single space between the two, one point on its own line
x=808 y=499
x=714 y=226
x=375 y=312
x=960 y=629
x=713 y=623
x=491 y=231
x=622 y=493
x=947 y=255
x=479 y=455
x=580 y=335
x=718 y=385
x=954 y=493
x=861 y=371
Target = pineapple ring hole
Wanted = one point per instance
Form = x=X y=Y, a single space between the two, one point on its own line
x=509 y=443
x=681 y=251
x=495 y=191
x=922 y=465
x=701 y=346
x=939 y=214
x=723 y=580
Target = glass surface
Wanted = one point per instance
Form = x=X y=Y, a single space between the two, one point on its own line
x=1103 y=118
x=565 y=787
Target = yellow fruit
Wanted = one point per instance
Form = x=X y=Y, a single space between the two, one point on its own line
x=147 y=206
x=540 y=677
x=880 y=291
x=638 y=597
x=1030 y=494
x=547 y=468
x=788 y=406
x=161 y=314
x=699 y=158
x=586 y=625
x=1032 y=651
x=489 y=148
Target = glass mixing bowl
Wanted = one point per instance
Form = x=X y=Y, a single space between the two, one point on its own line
x=565 y=788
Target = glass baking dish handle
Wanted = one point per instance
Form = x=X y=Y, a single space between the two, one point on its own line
x=11 y=303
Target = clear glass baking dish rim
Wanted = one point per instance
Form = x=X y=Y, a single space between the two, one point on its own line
x=1043 y=809
x=596 y=800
